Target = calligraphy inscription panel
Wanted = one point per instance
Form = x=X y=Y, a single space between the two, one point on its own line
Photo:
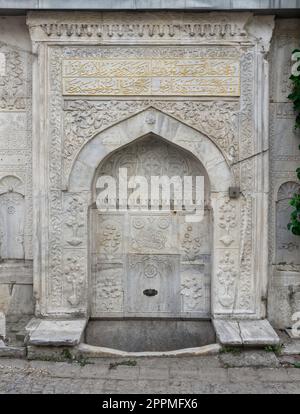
x=152 y=75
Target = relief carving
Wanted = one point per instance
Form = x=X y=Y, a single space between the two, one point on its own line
x=227 y=275
x=191 y=243
x=108 y=290
x=75 y=277
x=151 y=76
x=246 y=281
x=149 y=232
x=75 y=220
x=83 y=119
x=158 y=273
x=55 y=278
x=12 y=214
x=246 y=115
x=13 y=92
x=109 y=236
x=227 y=221
x=192 y=289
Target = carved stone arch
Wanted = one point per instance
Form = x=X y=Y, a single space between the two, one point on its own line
x=120 y=158
x=139 y=125
x=12 y=183
x=287 y=190
x=134 y=250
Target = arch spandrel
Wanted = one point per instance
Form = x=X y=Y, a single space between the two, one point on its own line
x=162 y=125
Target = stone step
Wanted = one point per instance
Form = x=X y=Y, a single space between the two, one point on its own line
x=55 y=332
x=245 y=333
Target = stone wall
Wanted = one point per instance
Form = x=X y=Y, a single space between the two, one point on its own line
x=284 y=287
x=16 y=292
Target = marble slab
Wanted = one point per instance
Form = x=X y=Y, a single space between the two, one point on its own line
x=56 y=332
x=246 y=333
x=228 y=332
x=258 y=333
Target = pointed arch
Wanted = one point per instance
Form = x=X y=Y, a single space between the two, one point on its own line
x=162 y=125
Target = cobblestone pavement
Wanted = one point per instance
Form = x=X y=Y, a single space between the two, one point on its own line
x=204 y=375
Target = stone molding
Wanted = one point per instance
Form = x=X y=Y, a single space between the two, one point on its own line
x=137 y=27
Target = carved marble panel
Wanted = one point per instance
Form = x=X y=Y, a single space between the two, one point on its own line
x=12 y=214
x=227 y=214
x=151 y=76
x=227 y=273
x=158 y=274
x=13 y=80
x=74 y=279
x=108 y=290
x=195 y=238
x=75 y=212
x=108 y=236
x=151 y=156
x=84 y=118
x=153 y=233
x=195 y=289
x=13 y=130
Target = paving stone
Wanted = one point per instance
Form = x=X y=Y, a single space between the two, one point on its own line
x=243 y=388
x=292 y=348
x=39 y=377
x=241 y=375
x=273 y=375
x=123 y=373
x=294 y=373
x=154 y=373
x=250 y=359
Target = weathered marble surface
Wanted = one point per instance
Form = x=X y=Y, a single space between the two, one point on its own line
x=56 y=332
x=245 y=332
x=16 y=292
x=258 y=333
x=228 y=332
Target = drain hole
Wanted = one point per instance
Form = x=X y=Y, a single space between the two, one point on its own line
x=150 y=292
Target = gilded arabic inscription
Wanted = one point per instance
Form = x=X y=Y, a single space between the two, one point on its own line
x=153 y=76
